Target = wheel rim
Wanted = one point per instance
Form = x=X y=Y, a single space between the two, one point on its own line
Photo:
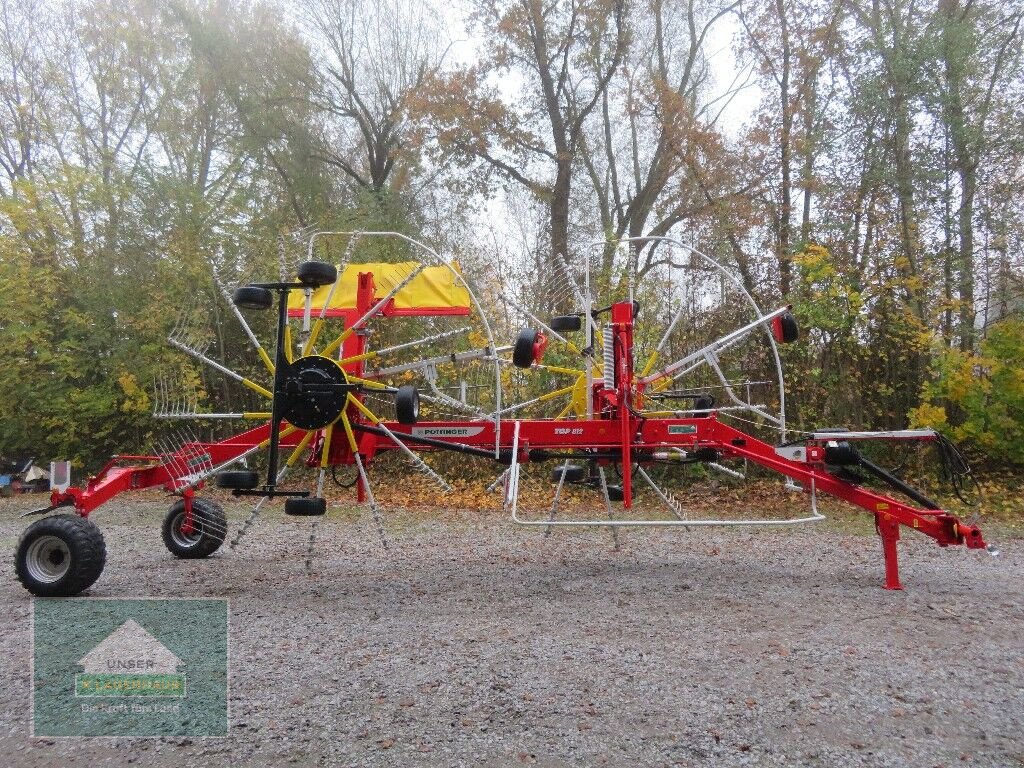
x=48 y=559
x=186 y=539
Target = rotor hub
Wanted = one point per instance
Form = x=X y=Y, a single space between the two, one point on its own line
x=313 y=392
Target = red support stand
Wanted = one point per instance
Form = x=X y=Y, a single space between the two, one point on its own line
x=889 y=529
x=622 y=327
x=188 y=524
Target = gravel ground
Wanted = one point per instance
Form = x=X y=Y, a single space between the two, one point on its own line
x=471 y=642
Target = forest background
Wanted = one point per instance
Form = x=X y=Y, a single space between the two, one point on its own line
x=860 y=159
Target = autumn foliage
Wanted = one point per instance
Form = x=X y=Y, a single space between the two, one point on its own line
x=861 y=161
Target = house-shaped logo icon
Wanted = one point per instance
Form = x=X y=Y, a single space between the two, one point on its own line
x=130 y=648
x=130 y=662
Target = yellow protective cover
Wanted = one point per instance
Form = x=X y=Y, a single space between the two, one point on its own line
x=435 y=290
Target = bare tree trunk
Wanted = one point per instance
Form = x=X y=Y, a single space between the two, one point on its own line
x=947 y=249
x=807 y=173
x=908 y=212
x=969 y=185
x=961 y=39
x=965 y=163
x=559 y=220
x=786 y=160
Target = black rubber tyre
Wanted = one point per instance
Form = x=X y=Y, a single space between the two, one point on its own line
x=209 y=523
x=573 y=474
x=238 y=479
x=789 y=331
x=701 y=407
x=615 y=493
x=566 y=323
x=251 y=297
x=522 y=353
x=308 y=507
x=317 y=273
x=407 y=404
x=60 y=556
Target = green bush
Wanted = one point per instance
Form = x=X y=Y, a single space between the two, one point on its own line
x=978 y=398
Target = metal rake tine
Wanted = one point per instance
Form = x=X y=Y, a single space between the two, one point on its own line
x=181 y=441
x=169 y=404
x=208 y=524
x=554 y=501
x=168 y=458
x=500 y=478
x=203 y=455
x=218 y=278
x=310 y=545
x=158 y=401
x=185 y=315
x=226 y=279
x=255 y=513
x=200 y=340
x=189 y=340
x=282 y=259
x=181 y=469
x=374 y=509
x=183 y=402
x=201 y=356
x=608 y=506
x=669 y=498
x=175 y=404
x=246 y=328
x=415 y=459
x=161 y=449
x=186 y=330
x=163 y=396
x=176 y=328
x=573 y=284
x=183 y=451
x=197 y=462
x=192 y=441
x=182 y=331
x=312 y=529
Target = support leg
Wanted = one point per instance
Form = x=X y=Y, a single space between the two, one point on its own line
x=889 y=530
x=188 y=524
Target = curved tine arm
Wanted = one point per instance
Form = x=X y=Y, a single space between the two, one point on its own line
x=267 y=362
x=713 y=362
x=750 y=300
x=435 y=258
x=717 y=344
x=223 y=369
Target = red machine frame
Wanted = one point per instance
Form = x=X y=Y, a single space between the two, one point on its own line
x=616 y=434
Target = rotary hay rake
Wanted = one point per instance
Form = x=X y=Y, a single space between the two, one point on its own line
x=375 y=358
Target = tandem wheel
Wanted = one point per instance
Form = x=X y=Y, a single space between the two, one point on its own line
x=209 y=527
x=60 y=556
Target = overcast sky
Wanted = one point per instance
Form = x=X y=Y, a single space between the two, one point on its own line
x=718 y=48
